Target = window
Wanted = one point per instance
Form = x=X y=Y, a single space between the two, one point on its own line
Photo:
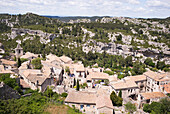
x=88 y=106
x=93 y=106
x=81 y=107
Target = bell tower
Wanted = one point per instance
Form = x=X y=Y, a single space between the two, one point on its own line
x=18 y=51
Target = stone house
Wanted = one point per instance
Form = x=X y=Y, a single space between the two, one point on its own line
x=65 y=59
x=5 y=71
x=77 y=71
x=140 y=80
x=94 y=77
x=55 y=70
x=155 y=80
x=165 y=88
x=53 y=59
x=128 y=88
x=90 y=102
x=150 y=97
x=8 y=64
x=36 y=79
x=29 y=56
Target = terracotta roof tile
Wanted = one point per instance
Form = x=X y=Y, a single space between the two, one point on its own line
x=158 y=76
x=153 y=95
x=124 y=84
x=97 y=75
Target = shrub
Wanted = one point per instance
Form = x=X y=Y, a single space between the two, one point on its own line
x=130 y=107
x=37 y=63
x=64 y=95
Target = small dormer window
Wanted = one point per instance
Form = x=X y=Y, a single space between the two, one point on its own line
x=19 y=51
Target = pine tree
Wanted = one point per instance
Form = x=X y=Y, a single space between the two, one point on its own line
x=77 y=87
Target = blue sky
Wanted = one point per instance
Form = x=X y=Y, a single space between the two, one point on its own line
x=127 y=8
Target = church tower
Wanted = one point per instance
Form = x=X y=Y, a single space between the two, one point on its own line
x=18 y=51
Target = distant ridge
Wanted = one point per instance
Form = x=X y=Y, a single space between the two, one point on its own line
x=68 y=18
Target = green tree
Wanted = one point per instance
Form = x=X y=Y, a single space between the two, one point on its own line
x=74 y=83
x=7 y=80
x=128 y=61
x=67 y=70
x=64 y=95
x=148 y=61
x=161 y=107
x=116 y=100
x=77 y=86
x=138 y=68
x=37 y=63
x=165 y=105
x=18 y=62
x=146 y=108
x=106 y=81
x=120 y=94
x=49 y=92
x=130 y=107
x=160 y=65
x=119 y=38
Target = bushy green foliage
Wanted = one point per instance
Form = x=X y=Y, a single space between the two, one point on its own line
x=128 y=61
x=109 y=72
x=10 y=82
x=83 y=86
x=106 y=81
x=161 y=107
x=149 y=62
x=64 y=95
x=34 y=104
x=119 y=38
x=160 y=65
x=49 y=92
x=130 y=107
x=138 y=67
x=116 y=100
x=23 y=60
x=67 y=70
x=37 y=63
x=4 y=28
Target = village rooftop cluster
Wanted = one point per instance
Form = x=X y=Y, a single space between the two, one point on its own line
x=61 y=74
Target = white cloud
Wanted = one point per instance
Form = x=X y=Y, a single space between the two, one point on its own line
x=158 y=3
x=130 y=8
x=134 y=1
x=140 y=9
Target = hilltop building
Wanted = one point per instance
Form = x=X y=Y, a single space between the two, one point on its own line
x=18 y=51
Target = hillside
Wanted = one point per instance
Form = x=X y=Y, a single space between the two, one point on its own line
x=81 y=38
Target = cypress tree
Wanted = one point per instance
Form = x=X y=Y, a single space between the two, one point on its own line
x=74 y=82
x=18 y=62
x=77 y=87
x=120 y=94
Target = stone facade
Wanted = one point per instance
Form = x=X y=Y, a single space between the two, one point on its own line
x=18 y=51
